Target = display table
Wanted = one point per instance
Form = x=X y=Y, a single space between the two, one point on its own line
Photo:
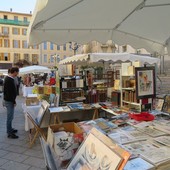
x=65 y=113
x=33 y=110
x=58 y=114
x=27 y=90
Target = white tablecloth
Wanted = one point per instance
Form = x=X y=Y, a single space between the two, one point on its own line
x=27 y=90
x=33 y=110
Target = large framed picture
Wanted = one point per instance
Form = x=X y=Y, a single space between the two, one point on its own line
x=145 y=82
x=93 y=154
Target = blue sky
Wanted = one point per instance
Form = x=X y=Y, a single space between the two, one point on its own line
x=23 y=6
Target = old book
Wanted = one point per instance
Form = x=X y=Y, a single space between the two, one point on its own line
x=156 y=156
x=138 y=164
x=152 y=131
x=163 y=139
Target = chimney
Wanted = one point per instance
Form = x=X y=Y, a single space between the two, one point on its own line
x=10 y=9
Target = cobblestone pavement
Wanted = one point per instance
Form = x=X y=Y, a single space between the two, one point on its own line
x=15 y=154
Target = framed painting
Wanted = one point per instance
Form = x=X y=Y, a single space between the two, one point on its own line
x=145 y=82
x=93 y=154
x=159 y=104
x=166 y=106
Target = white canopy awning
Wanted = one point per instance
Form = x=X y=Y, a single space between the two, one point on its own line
x=3 y=71
x=34 y=69
x=109 y=58
x=139 y=23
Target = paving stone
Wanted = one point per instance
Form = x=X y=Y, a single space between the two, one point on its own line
x=36 y=162
x=15 y=157
x=15 y=149
x=2 y=145
x=15 y=154
x=34 y=168
x=34 y=153
x=2 y=152
x=11 y=165
x=3 y=161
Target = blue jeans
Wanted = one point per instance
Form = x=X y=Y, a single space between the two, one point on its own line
x=10 y=115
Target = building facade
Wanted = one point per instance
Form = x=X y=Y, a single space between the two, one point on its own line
x=14 y=46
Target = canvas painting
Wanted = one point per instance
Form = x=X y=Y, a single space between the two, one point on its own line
x=40 y=115
x=95 y=155
x=158 y=105
x=145 y=82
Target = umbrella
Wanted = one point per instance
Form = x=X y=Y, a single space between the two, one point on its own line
x=139 y=23
x=34 y=69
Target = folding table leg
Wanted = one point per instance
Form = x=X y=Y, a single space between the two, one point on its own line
x=33 y=140
x=95 y=114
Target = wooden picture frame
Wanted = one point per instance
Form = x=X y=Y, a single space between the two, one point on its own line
x=159 y=104
x=145 y=82
x=95 y=154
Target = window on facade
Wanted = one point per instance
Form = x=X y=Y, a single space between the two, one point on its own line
x=58 y=47
x=5 y=17
x=16 y=44
x=51 y=46
x=0 y=42
x=15 y=18
x=26 y=57
x=24 y=31
x=25 y=19
x=45 y=45
x=34 y=58
x=58 y=59
x=64 y=47
x=16 y=57
x=16 y=31
x=124 y=48
x=5 y=30
x=51 y=59
x=45 y=58
x=35 y=47
x=6 y=56
x=24 y=44
x=6 y=43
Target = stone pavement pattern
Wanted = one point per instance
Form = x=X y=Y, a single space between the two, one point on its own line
x=15 y=154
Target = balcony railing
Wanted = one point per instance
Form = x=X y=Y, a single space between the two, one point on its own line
x=13 y=22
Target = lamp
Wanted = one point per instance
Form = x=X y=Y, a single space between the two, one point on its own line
x=74 y=47
x=55 y=57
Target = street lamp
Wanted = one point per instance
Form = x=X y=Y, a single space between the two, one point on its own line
x=55 y=57
x=74 y=47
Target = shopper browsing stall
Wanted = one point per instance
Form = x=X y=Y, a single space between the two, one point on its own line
x=10 y=94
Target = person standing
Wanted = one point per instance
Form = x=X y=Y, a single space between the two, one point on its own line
x=10 y=94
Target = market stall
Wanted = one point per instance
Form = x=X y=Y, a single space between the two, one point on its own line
x=110 y=77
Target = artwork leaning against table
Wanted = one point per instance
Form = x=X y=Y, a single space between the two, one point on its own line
x=93 y=154
x=145 y=82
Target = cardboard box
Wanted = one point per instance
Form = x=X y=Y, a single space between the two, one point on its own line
x=65 y=146
x=31 y=101
x=40 y=90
